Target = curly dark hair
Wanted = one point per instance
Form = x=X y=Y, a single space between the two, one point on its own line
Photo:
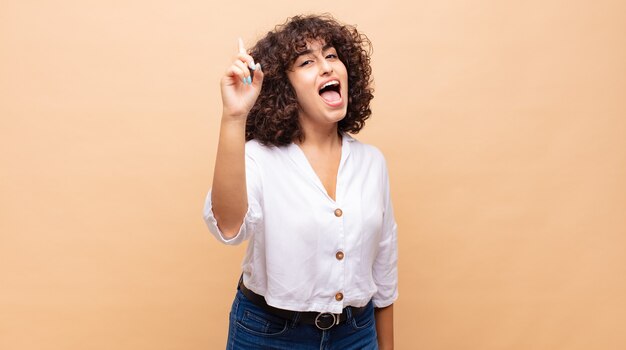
x=274 y=118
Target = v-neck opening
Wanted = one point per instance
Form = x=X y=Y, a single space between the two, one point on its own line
x=306 y=166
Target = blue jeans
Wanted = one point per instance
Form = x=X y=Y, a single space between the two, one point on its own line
x=252 y=328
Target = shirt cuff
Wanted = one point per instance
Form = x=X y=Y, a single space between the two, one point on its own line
x=211 y=222
x=380 y=303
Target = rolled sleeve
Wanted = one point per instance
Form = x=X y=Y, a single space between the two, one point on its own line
x=254 y=214
x=385 y=270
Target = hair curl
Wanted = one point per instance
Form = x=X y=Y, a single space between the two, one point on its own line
x=274 y=118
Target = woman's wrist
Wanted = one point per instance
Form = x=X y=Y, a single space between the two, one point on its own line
x=233 y=119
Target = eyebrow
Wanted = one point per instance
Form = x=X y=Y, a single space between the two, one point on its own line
x=309 y=51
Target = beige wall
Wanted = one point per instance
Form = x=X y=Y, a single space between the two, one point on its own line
x=504 y=126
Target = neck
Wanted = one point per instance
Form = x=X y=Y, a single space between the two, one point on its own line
x=321 y=139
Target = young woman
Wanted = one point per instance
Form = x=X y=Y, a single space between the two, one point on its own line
x=320 y=270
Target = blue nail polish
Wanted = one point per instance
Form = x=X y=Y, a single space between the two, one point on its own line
x=252 y=69
x=250 y=80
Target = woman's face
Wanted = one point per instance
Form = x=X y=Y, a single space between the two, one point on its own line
x=320 y=81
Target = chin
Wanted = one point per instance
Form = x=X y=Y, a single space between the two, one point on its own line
x=337 y=116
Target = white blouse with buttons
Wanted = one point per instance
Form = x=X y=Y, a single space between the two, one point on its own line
x=306 y=251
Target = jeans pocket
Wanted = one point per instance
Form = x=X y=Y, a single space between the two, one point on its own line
x=257 y=322
x=364 y=319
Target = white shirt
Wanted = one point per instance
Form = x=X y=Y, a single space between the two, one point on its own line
x=296 y=230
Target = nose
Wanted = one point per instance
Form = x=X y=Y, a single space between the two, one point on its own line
x=325 y=67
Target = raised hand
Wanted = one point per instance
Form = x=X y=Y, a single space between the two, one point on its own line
x=240 y=85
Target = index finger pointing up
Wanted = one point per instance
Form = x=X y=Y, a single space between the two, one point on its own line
x=242 y=49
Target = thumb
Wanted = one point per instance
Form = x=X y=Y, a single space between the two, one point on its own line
x=258 y=76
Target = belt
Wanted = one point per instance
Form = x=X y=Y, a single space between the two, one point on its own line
x=322 y=320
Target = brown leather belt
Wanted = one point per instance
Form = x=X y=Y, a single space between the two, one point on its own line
x=322 y=320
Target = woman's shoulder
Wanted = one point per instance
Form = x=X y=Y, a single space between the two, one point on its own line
x=365 y=150
x=258 y=150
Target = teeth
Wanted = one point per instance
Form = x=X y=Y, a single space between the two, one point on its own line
x=330 y=83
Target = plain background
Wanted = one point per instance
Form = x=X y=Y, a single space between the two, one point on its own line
x=503 y=123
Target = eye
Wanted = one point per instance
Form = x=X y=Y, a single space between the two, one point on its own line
x=331 y=55
x=306 y=63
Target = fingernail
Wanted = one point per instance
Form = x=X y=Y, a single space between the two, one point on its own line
x=258 y=66
x=252 y=65
x=249 y=80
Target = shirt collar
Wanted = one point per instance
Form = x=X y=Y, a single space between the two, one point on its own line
x=298 y=157
x=347 y=137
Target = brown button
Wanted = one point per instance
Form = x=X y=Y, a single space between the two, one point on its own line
x=338 y=212
x=339 y=297
x=339 y=255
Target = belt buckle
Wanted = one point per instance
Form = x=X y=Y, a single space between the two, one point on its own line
x=322 y=319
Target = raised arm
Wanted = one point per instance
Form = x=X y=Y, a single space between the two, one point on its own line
x=239 y=93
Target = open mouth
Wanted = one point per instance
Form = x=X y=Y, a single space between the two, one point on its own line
x=331 y=92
